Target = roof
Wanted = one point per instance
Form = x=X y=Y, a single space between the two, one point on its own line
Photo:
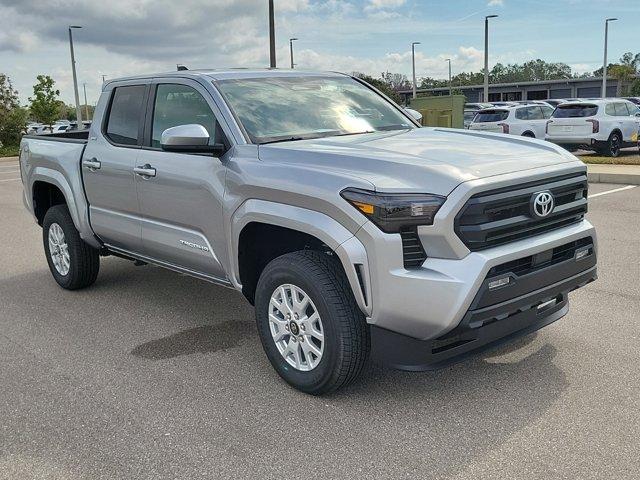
x=231 y=73
x=516 y=84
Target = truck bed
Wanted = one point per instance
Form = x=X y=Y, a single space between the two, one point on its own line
x=74 y=136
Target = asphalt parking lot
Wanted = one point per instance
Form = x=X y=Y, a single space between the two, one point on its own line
x=150 y=374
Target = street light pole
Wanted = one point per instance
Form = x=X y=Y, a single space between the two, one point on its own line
x=86 y=105
x=604 y=65
x=413 y=62
x=75 y=78
x=486 y=56
x=450 y=90
x=291 y=40
x=272 y=35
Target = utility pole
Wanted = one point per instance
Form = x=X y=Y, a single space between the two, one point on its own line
x=413 y=62
x=75 y=78
x=272 y=35
x=104 y=77
x=604 y=64
x=86 y=105
x=291 y=40
x=486 y=57
x=450 y=89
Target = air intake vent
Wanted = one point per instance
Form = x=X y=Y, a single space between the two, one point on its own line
x=412 y=251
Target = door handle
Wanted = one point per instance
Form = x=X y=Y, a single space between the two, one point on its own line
x=92 y=164
x=145 y=171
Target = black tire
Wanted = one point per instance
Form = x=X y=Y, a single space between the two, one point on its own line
x=347 y=340
x=611 y=147
x=528 y=135
x=84 y=261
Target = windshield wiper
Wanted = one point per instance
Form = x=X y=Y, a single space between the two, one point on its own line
x=288 y=139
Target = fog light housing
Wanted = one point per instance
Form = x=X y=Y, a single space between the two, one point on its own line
x=585 y=252
x=500 y=282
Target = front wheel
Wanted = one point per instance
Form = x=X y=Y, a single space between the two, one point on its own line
x=310 y=326
x=72 y=262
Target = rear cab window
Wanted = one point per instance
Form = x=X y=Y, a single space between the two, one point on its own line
x=486 y=116
x=575 y=111
x=124 y=123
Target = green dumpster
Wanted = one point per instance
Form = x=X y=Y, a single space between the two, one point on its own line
x=443 y=111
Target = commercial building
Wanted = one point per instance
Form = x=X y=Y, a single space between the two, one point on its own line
x=540 y=90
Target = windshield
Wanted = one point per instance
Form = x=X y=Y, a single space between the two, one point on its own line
x=575 y=111
x=295 y=108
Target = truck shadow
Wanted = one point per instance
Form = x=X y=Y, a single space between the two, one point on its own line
x=391 y=424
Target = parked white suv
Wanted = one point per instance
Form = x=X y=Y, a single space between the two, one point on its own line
x=605 y=125
x=525 y=120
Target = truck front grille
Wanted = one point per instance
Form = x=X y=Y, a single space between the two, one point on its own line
x=503 y=215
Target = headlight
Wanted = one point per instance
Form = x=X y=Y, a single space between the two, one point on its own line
x=393 y=212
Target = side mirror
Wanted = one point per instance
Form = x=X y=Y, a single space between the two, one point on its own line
x=416 y=115
x=638 y=114
x=190 y=138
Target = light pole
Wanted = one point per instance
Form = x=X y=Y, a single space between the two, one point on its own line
x=604 y=65
x=86 y=105
x=272 y=35
x=450 y=90
x=413 y=62
x=486 y=56
x=291 y=40
x=75 y=78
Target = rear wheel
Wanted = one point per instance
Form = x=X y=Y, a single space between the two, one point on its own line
x=311 y=328
x=611 y=148
x=528 y=135
x=72 y=262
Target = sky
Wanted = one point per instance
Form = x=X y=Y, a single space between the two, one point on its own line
x=127 y=37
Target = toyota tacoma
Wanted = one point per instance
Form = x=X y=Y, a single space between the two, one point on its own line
x=354 y=232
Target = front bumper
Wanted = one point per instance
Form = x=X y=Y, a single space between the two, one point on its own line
x=488 y=324
x=428 y=302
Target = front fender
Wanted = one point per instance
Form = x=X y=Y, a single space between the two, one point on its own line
x=347 y=247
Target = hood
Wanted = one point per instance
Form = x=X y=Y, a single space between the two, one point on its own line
x=428 y=160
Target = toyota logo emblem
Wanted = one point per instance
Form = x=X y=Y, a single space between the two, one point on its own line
x=542 y=204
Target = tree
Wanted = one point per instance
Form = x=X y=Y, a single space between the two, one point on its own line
x=624 y=74
x=12 y=118
x=44 y=105
x=380 y=85
x=635 y=88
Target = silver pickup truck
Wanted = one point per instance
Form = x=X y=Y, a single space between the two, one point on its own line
x=353 y=231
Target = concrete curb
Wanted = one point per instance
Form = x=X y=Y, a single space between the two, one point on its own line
x=615 y=178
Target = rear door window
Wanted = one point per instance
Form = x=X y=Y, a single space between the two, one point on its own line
x=547 y=111
x=486 y=116
x=125 y=115
x=621 y=110
x=575 y=111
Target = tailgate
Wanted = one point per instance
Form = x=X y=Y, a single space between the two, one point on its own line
x=487 y=127
x=567 y=127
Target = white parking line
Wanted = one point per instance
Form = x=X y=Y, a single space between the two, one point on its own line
x=9 y=180
x=628 y=187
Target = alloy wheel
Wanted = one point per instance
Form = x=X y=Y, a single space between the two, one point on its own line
x=296 y=327
x=59 y=250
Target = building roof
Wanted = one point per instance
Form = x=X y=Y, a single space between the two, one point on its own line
x=562 y=81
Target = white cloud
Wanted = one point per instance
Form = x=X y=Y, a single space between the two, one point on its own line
x=380 y=4
x=495 y=3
